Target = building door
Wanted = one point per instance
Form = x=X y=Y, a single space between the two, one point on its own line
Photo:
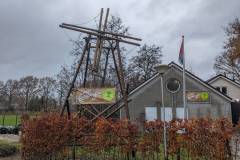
x=235 y=106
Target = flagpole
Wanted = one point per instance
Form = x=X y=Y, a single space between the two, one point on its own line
x=184 y=85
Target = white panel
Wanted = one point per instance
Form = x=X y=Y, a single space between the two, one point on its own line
x=180 y=112
x=168 y=114
x=150 y=113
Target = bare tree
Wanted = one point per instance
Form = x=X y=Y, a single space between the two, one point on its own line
x=141 y=66
x=28 y=89
x=63 y=83
x=224 y=65
x=47 y=86
x=1 y=88
x=115 y=25
x=232 y=45
x=9 y=91
x=228 y=62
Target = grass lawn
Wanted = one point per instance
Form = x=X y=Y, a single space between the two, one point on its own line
x=13 y=119
x=10 y=120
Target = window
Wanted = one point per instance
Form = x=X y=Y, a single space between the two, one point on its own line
x=180 y=113
x=150 y=113
x=168 y=114
x=218 y=88
x=173 y=85
x=224 y=90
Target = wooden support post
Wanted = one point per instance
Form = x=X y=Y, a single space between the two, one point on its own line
x=101 y=37
x=117 y=70
x=98 y=42
x=101 y=41
x=122 y=81
x=86 y=68
x=105 y=68
x=68 y=109
x=75 y=75
x=106 y=20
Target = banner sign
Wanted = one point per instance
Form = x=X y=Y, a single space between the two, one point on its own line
x=94 y=96
x=197 y=96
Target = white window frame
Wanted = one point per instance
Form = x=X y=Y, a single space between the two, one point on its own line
x=168 y=114
x=151 y=113
x=181 y=107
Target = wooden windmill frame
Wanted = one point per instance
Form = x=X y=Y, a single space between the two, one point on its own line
x=100 y=36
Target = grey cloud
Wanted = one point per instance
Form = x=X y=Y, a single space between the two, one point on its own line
x=32 y=43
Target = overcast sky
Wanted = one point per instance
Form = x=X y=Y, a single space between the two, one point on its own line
x=31 y=43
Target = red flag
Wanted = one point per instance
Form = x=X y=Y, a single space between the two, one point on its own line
x=181 y=52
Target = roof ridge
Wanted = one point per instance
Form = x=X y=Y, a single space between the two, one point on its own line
x=201 y=80
x=173 y=64
x=221 y=75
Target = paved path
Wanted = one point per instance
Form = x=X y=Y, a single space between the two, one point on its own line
x=15 y=157
x=12 y=139
x=9 y=137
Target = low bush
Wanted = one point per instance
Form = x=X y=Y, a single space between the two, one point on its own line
x=50 y=135
x=7 y=149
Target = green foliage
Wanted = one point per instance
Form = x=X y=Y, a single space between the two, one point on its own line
x=7 y=149
x=10 y=120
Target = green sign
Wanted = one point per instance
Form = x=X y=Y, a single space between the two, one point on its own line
x=109 y=94
x=94 y=96
x=197 y=96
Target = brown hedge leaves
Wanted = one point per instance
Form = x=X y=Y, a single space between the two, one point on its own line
x=50 y=134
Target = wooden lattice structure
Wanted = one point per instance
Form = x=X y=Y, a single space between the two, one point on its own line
x=100 y=37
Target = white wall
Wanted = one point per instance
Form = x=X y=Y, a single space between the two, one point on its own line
x=233 y=91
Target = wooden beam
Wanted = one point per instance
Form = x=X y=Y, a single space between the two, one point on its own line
x=102 y=32
x=109 y=107
x=106 y=19
x=105 y=68
x=99 y=49
x=115 y=110
x=75 y=75
x=97 y=34
x=116 y=69
x=122 y=81
x=86 y=68
x=100 y=21
x=95 y=109
x=87 y=109
x=97 y=43
x=102 y=47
